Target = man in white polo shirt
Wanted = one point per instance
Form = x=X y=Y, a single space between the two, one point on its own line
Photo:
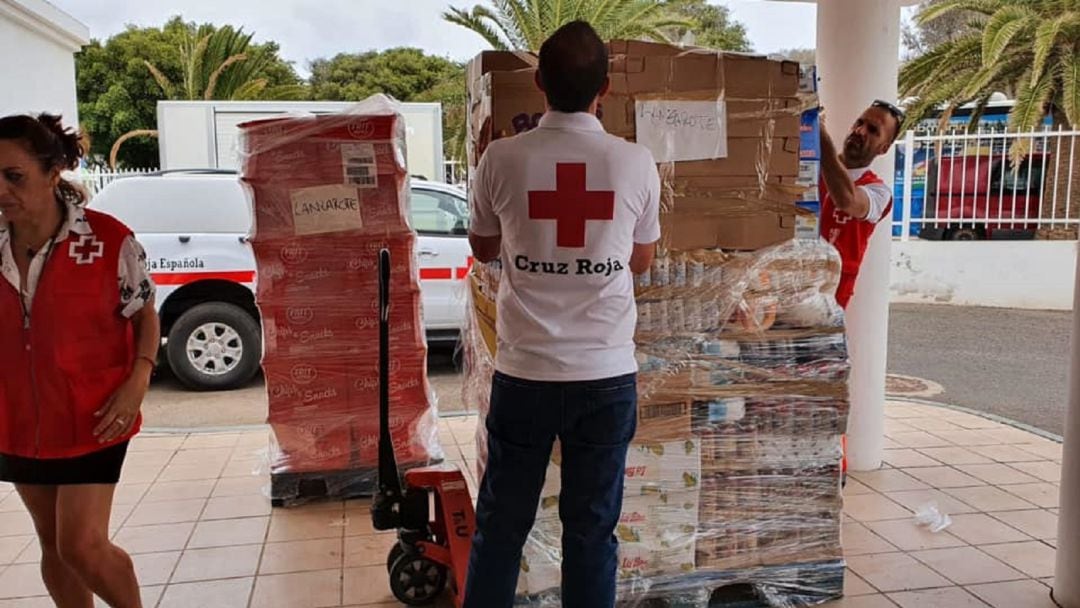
x=571 y=212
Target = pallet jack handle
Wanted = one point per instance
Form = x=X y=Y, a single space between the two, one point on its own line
x=389 y=480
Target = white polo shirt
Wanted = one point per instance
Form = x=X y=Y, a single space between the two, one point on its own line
x=570 y=202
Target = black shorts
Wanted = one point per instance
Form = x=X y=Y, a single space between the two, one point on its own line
x=102 y=466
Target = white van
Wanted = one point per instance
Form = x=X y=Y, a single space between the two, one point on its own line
x=194 y=226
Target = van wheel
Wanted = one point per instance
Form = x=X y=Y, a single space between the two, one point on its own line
x=964 y=234
x=214 y=346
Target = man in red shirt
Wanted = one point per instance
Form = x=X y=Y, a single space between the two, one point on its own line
x=853 y=198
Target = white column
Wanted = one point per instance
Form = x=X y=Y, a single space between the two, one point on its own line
x=1067 y=573
x=858 y=47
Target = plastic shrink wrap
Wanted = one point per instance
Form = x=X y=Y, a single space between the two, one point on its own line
x=327 y=193
x=733 y=480
x=734 y=474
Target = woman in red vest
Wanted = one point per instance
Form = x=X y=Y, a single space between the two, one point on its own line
x=78 y=342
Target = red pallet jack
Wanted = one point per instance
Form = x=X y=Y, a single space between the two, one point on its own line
x=431 y=551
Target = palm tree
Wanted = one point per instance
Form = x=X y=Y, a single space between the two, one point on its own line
x=525 y=24
x=215 y=64
x=220 y=64
x=1029 y=49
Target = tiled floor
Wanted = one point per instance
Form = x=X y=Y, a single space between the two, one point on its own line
x=191 y=510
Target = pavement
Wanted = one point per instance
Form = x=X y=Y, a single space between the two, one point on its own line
x=192 y=510
x=1011 y=363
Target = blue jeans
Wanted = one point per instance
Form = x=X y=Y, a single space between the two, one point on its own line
x=594 y=422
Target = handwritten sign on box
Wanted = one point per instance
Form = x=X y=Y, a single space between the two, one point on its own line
x=322 y=209
x=679 y=130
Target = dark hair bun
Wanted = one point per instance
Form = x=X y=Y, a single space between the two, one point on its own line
x=69 y=143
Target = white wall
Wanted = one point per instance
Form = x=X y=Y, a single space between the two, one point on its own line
x=37 y=73
x=185 y=136
x=1004 y=274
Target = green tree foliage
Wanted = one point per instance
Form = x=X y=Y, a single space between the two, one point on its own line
x=525 y=24
x=1027 y=48
x=402 y=73
x=118 y=93
x=710 y=26
x=406 y=74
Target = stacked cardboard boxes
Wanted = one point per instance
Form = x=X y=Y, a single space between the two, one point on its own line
x=740 y=342
x=328 y=193
x=742 y=397
x=724 y=126
x=657 y=527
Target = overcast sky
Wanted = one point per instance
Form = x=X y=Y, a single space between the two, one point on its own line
x=308 y=29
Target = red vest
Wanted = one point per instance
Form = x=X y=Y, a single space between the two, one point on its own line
x=74 y=353
x=849 y=235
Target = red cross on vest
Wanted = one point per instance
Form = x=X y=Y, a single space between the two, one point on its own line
x=571 y=205
x=86 y=249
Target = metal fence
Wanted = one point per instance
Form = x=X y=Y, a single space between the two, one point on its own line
x=96 y=179
x=990 y=184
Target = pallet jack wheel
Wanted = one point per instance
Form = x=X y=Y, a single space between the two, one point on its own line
x=395 y=552
x=417 y=581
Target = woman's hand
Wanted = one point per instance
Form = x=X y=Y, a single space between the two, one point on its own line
x=122 y=409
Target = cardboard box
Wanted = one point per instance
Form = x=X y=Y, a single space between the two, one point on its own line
x=499 y=61
x=639 y=67
x=808 y=79
x=328 y=192
x=749 y=156
x=306 y=443
x=663 y=420
x=662 y=467
x=771 y=117
x=748 y=232
x=484 y=309
x=763 y=109
x=809 y=226
x=638 y=561
x=810 y=132
x=659 y=521
x=727 y=549
x=540 y=570
x=502 y=104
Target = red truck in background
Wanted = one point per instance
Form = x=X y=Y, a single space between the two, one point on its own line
x=983 y=196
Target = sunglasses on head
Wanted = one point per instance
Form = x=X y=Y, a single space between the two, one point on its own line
x=893 y=109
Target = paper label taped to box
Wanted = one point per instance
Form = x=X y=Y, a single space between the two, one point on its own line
x=678 y=130
x=358 y=162
x=321 y=209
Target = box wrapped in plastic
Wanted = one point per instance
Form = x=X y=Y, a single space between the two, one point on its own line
x=723 y=127
x=328 y=193
x=733 y=479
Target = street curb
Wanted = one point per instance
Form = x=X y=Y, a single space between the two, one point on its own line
x=988 y=416
x=933 y=389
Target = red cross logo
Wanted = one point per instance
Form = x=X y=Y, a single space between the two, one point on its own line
x=571 y=205
x=86 y=249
